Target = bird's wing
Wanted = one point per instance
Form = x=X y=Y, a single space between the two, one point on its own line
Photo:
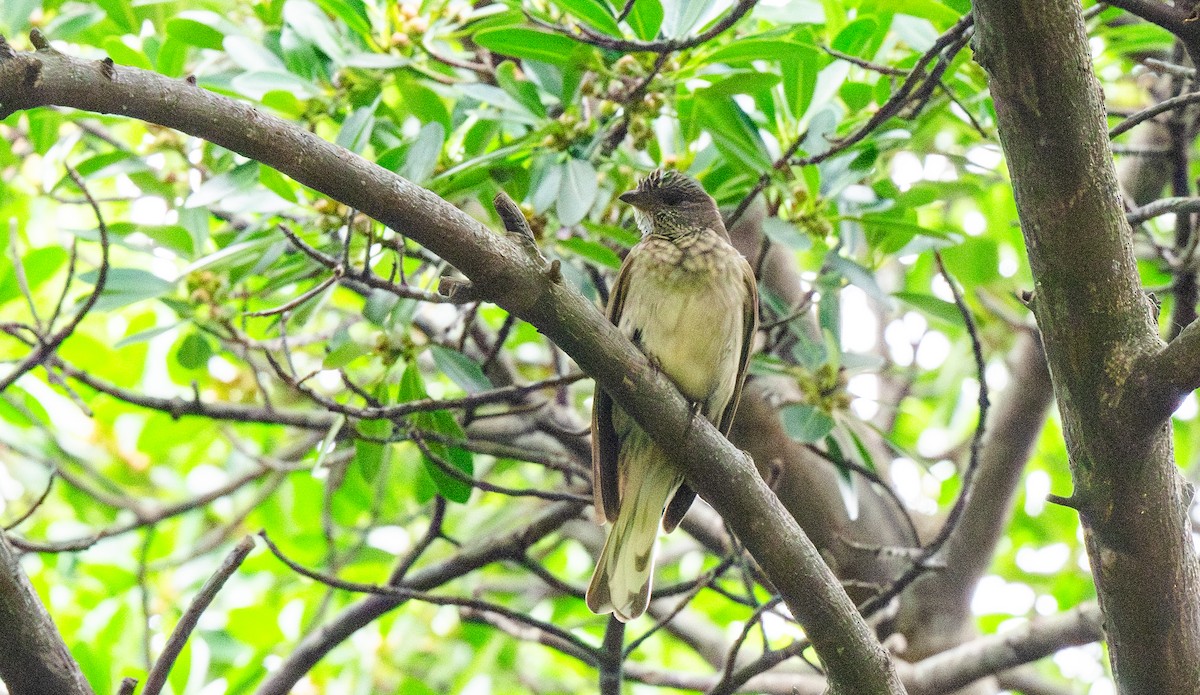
x=749 y=326
x=605 y=477
x=684 y=496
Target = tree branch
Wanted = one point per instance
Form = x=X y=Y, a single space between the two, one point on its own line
x=34 y=660
x=183 y=629
x=501 y=272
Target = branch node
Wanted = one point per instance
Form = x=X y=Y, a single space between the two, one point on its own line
x=107 y=69
x=39 y=40
x=518 y=227
x=33 y=73
x=1071 y=502
x=1027 y=297
x=459 y=290
x=190 y=79
x=554 y=272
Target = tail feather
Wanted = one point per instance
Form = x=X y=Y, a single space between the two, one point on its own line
x=624 y=572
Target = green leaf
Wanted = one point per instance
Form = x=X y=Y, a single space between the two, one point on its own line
x=278 y=183
x=327 y=444
x=888 y=233
x=143 y=336
x=733 y=132
x=121 y=13
x=412 y=388
x=309 y=22
x=169 y=236
x=122 y=54
x=532 y=44
x=938 y=14
x=39 y=265
x=356 y=129
x=422 y=157
x=421 y=101
x=679 y=16
x=352 y=12
x=592 y=12
x=194 y=351
x=462 y=370
x=259 y=83
x=343 y=351
x=544 y=191
x=856 y=36
x=805 y=423
x=370 y=456
x=237 y=180
x=645 y=19
x=800 y=69
x=577 y=193
x=750 y=49
x=125 y=286
x=786 y=234
x=592 y=251
x=741 y=82
x=172 y=57
x=523 y=91
x=856 y=95
x=940 y=310
x=194 y=32
x=378 y=306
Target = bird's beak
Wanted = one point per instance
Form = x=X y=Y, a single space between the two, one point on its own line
x=638 y=199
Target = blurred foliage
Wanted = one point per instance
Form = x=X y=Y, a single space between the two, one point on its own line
x=468 y=100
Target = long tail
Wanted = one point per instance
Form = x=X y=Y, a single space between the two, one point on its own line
x=621 y=582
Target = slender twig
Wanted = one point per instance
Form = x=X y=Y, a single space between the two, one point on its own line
x=921 y=564
x=1163 y=206
x=723 y=685
x=50 y=344
x=318 y=289
x=18 y=267
x=72 y=259
x=432 y=533
x=449 y=469
x=863 y=63
x=158 y=675
x=612 y=657
x=37 y=503
x=366 y=277
x=404 y=593
x=1148 y=113
x=588 y=35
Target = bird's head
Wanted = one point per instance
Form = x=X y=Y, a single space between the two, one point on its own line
x=672 y=204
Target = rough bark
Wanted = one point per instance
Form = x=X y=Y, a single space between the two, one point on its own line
x=503 y=272
x=1100 y=338
x=33 y=660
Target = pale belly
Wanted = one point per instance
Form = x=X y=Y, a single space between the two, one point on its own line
x=691 y=324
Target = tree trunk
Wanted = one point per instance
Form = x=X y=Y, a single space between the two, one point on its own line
x=1098 y=330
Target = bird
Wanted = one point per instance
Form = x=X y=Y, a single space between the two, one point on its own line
x=688 y=300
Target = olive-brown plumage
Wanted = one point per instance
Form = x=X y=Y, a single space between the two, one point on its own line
x=687 y=299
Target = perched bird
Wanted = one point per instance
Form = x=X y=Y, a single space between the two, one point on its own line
x=687 y=299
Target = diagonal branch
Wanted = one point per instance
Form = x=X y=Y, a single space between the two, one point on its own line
x=34 y=660
x=502 y=272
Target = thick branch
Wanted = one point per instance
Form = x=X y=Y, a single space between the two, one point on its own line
x=500 y=270
x=1161 y=381
x=34 y=660
x=1097 y=327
